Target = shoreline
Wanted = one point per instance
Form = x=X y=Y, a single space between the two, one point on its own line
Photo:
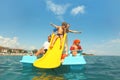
x=24 y=54
x=14 y=54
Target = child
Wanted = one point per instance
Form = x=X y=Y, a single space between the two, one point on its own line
x=75 y=48
x=61 y=30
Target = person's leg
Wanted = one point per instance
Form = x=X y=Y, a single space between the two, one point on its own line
x=63 y=57
x=41 y=51
x=61 y=40
x=53 y=41
x=66 y=45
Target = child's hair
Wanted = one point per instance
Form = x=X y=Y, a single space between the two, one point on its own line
x=68 y=25
x=64 y=24
x=76 y=41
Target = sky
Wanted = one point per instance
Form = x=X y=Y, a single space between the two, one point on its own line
x=26 y=23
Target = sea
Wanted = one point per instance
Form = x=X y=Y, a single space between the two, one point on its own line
x=97 y=68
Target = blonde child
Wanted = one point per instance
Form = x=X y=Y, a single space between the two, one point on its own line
x=61 y=30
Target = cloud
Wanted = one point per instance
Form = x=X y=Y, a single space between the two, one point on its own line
x=78 y=10
x=13 y=43
x=57 y=9
x=115 y=41
x=9 y=42
x=111 y=47
x=32 y=47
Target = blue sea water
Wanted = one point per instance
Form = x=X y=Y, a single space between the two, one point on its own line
x=97 y=68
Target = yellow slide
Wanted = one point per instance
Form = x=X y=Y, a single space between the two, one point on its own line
x=52 y=57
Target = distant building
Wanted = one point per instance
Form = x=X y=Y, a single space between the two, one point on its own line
x=11 y=50
x=4 y=49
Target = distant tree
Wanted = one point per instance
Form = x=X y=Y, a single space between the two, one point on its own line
x=25 y=51
x=9 y=50
x=34 y=51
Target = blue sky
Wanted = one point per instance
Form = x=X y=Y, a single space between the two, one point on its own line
x=26 y=23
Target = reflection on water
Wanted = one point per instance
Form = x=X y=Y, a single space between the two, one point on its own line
x=65 y=76
x=45 y=76
x=61 y=73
